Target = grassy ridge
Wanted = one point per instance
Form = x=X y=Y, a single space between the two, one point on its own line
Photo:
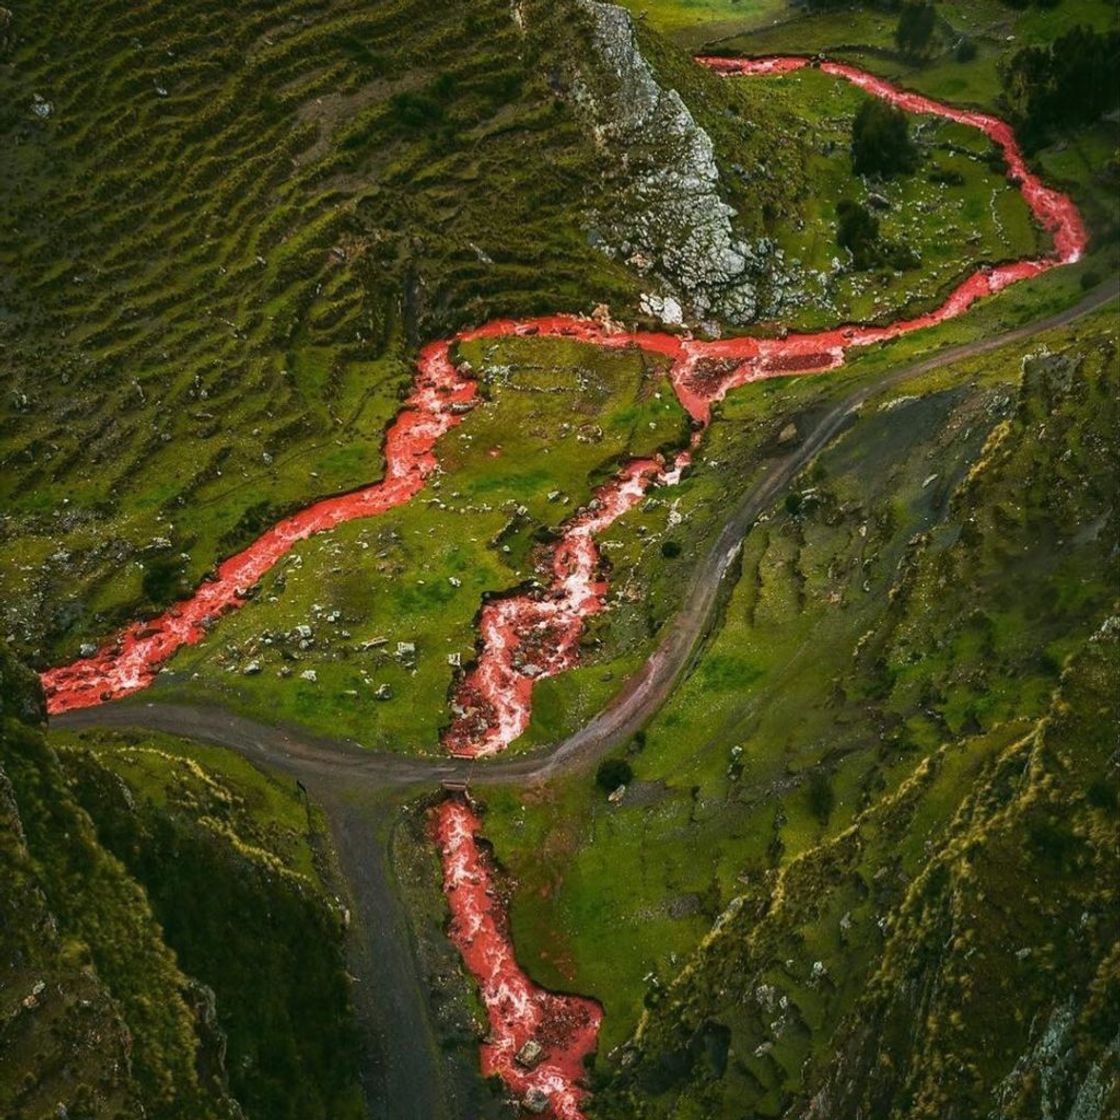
x=229 y=860
x=900 y=606
x=168 y=947
x=96 y=1014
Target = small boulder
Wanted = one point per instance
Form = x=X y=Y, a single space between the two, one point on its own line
x=535 y=1101
x=530 y=1054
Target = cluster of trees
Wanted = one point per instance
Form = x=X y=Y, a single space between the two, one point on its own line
x=1069 y=82
x=881 y=143
x=914 y=32
x=858 y=232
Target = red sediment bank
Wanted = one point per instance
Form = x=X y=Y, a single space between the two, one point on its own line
x=565 y=1027
x=439 y=396
x=536 y=634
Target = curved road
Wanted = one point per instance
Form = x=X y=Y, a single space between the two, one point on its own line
x=407 y=1076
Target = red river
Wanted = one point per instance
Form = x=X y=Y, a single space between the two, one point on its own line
x=528 y=636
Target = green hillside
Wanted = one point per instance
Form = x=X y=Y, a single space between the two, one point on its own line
x=168 y=947
x=900 y=624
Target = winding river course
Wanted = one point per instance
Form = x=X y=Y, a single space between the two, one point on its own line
x=493 y=700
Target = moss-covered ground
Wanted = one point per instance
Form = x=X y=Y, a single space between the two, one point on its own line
x=234 y=865
x=918 y=593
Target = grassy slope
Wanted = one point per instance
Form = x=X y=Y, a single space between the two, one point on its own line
x=1082 y=162
x=960 y=991
x=168 y=945
x=97 y=1017
x=779 y=683
x=557 y=417
x=231 y=867
x=221 y=247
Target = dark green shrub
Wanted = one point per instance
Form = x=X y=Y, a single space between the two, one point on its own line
x=965 y=50
x=612 y=773
x=858 y=233
x=915 y=27
x=951 y=178
x=822 y=797
x=881 y=143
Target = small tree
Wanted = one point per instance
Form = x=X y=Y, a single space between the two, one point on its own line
x=859 y=234
x=881 y=143
x=612 y=773
x=822 y=798
x=915 y=28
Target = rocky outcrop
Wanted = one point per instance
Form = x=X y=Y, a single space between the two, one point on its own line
x=666 y=218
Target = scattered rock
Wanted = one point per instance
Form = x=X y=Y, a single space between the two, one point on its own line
x=535 y=1101
x=788 y=434
x=309 y=675
x=383 y=692
x=529 y=1054
x=251 y=668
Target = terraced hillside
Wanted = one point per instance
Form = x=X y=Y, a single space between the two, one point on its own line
x=225 y=229
x=855 y=853
x=224 y=232
x=228 y=231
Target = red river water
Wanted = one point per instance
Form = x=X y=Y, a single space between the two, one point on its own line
x=535 y=634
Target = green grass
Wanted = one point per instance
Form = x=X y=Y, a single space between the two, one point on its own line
x=864 y=36
x=608 y=896
x=556 y=418
x=233 y=862
x=694 y=22
x=951 y=229
x=100 y=1018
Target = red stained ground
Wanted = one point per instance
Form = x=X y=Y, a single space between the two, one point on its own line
x=566 y=1027
x=531 y=635
x=536 y=634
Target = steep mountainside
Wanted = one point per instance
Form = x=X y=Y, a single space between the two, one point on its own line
x=97 y=1017
x=167 y=945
